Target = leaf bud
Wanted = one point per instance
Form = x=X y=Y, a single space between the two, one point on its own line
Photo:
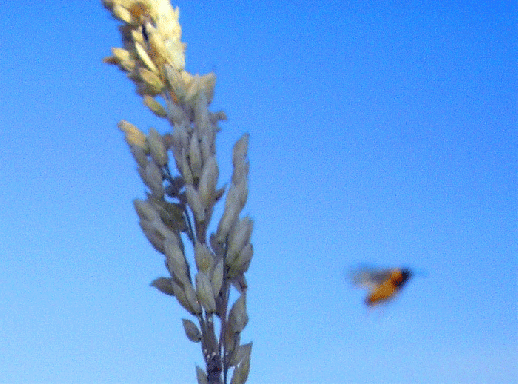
x=133 y=135
x=163 y=284
x=194 y=201
x=240 y=171
x=243 y=352
x=239 y=236
x=242 y=262
x=152 y=177
x=240 y=148
x=121 y=13
x=142 y=54
x=145 y=210
x=230 y=214
x=195 y=160
x=241 y=372
x=139 y=155
x=157 y=147
x=238 y=318
x=231 y=342
x=181 y=296
x=242 y=193
x=208 y=181
x=216 y=246
x=154 y=237
x=191 y=297
x=121 y=54
x=191 y=330
x=217 y=277
x=176 y=261
x=204 y=292
x=203 y=257
x=176 y=79
x=154 y=106
x=239 y=159
x=152 y=81
x=184 y=169
x=207 y=146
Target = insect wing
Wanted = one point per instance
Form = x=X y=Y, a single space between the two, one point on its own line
x=383 y=284
x=368 y=277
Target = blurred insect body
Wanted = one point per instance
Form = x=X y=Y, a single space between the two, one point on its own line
x=383 y=284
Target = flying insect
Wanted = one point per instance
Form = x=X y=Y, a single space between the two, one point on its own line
x=383 y=284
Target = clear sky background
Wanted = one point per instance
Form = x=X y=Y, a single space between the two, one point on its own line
x=381 y=133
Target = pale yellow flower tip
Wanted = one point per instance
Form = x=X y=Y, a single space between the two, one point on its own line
x=186 y=88
x=159 y=22
x=177 y=80
x=123 y=58
x=133 y=135
x=125 y=65
x=155 y=106
x=175 y=54
x=168 y=27
x=142 y=54
x=121 y=54
x=121 y=13
x=153 y=82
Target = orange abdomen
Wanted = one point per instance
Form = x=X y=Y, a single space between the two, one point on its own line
x=389 y=287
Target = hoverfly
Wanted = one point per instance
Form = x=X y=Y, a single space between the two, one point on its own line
x=383 y=284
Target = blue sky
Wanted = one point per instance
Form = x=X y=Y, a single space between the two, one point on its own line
x=381 y=133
